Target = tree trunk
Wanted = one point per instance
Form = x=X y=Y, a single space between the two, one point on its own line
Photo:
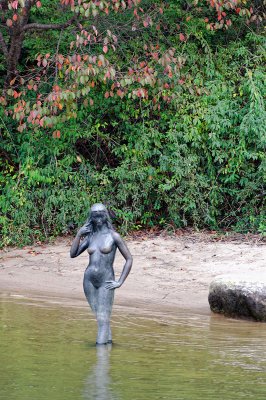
x=14 y=52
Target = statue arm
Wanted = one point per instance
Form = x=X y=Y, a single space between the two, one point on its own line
x=77 y=248
x=128 y=265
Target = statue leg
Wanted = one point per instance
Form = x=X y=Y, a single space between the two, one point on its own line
x=91 y=294
x=105 y=299
x=109 y=335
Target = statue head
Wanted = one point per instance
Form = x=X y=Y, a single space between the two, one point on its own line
x=99 y=216
x=98 y=207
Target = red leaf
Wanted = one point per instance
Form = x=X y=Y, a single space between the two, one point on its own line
x=56 y=134
x=105 y=49
x=14 y=4
x=15 y=17
x=38 y=4
x=9 y=22
x=182 y=37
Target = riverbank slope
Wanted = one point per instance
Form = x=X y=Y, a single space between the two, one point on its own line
x=169 y=272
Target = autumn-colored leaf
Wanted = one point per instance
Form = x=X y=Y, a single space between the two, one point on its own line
x=56 y=134
x=38 y=4
x=2 y=101
x=105 y=49
x=9 y=22
x=16 y=94
x=14 y=4
x=182 y=37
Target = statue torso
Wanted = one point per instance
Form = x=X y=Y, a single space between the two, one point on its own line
x=101 y=249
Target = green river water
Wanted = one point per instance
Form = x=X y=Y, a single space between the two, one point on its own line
x=48 y=352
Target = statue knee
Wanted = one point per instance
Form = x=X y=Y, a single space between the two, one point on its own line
x=102 y=318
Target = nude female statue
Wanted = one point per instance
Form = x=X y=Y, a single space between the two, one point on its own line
x=101 y=241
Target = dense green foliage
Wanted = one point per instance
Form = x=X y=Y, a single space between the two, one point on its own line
x=197 y=161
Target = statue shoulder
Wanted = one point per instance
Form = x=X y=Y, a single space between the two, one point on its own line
x=116 y=237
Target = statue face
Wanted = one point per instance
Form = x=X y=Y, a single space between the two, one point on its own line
x=98 y=214
x=98 y=218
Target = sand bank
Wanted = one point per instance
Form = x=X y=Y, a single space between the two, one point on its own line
x=168 y=273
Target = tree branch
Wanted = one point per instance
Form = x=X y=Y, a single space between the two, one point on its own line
x=3 y=45
x=45 y=27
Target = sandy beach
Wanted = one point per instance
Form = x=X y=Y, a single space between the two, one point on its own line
x=168 y=273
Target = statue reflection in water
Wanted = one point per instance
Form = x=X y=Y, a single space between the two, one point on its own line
x=98 y=384
x=99 y=238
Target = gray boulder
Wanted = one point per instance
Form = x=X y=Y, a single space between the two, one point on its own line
x=239 y=296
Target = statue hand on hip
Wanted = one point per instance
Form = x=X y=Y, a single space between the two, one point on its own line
x=112 y=285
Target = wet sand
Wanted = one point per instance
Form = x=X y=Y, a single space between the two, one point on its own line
x=169 y=272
